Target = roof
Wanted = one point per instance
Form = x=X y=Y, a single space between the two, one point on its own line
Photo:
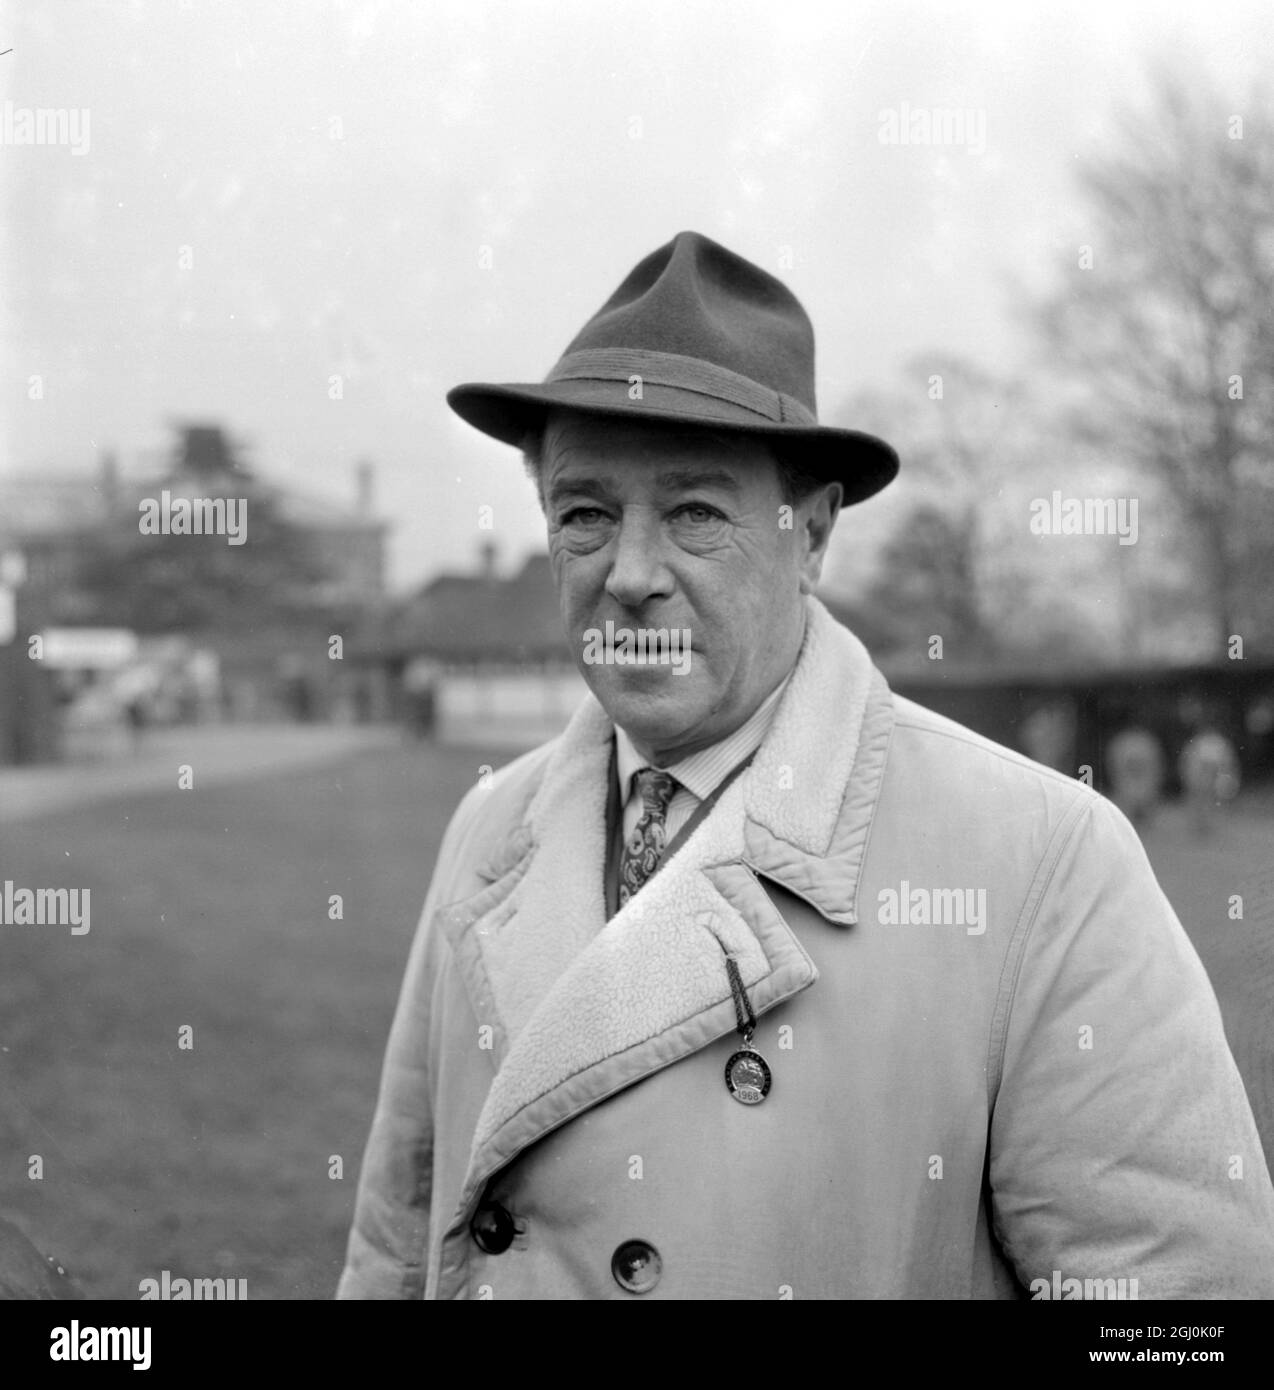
x=465 y=617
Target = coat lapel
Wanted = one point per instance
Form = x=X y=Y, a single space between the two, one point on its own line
x=565 y=990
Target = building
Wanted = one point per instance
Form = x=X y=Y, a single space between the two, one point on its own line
x=263 y=612
x=491 y=653
x=479 y=658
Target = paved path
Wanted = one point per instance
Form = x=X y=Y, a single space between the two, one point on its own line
x=216 y=753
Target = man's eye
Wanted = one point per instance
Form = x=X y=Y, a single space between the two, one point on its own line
x=587 y=516
x=698 y=513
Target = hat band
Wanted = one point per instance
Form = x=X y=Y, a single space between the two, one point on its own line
x=685 y=373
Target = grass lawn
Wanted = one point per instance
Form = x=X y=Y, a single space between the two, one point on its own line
x=209 y=909
x=1201 y=875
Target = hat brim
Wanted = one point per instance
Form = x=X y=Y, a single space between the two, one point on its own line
x=515 y=412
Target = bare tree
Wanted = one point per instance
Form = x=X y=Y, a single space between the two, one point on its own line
x=1164 y=329
x=965 y=435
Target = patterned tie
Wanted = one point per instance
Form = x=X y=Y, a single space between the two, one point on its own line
x=644 y=846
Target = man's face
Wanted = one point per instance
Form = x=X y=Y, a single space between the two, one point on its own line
x=654 y=529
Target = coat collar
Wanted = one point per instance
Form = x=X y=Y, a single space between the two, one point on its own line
x=566 y=990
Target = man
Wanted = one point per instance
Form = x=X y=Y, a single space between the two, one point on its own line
x=761 y=982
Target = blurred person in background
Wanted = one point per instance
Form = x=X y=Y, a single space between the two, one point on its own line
x=1135 y=766
x=1209 y=770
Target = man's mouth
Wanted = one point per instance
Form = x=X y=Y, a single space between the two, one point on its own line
x=614 y=644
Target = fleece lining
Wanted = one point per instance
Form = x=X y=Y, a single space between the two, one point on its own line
x=569 y=989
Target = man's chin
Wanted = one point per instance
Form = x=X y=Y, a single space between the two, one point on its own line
x=652 y=704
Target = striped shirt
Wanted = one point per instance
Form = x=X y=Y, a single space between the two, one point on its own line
x=699 y=774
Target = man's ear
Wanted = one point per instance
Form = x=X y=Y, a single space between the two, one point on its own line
x=818 y=512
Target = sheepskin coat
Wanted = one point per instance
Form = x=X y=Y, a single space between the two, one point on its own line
x=996 y=1057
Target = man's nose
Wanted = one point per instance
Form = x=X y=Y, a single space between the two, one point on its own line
x=638 y=572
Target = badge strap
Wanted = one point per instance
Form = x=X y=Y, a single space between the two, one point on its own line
x=743 y=1014
x=747 y=1074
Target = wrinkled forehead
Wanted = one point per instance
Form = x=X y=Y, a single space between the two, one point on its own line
x=577 y=446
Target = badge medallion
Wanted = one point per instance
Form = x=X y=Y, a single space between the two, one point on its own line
x=747 y=1077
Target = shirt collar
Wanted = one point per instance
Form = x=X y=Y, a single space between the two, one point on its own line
x=702 y=771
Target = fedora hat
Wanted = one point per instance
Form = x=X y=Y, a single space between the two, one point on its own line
x=695 y=336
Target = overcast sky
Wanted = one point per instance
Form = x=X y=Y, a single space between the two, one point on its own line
x=412 y=195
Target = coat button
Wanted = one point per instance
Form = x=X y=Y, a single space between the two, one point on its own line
x=636 y=1266
x=492 y=1228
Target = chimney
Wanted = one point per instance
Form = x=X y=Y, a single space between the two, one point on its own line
x=364 y=485
x=205 y=452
